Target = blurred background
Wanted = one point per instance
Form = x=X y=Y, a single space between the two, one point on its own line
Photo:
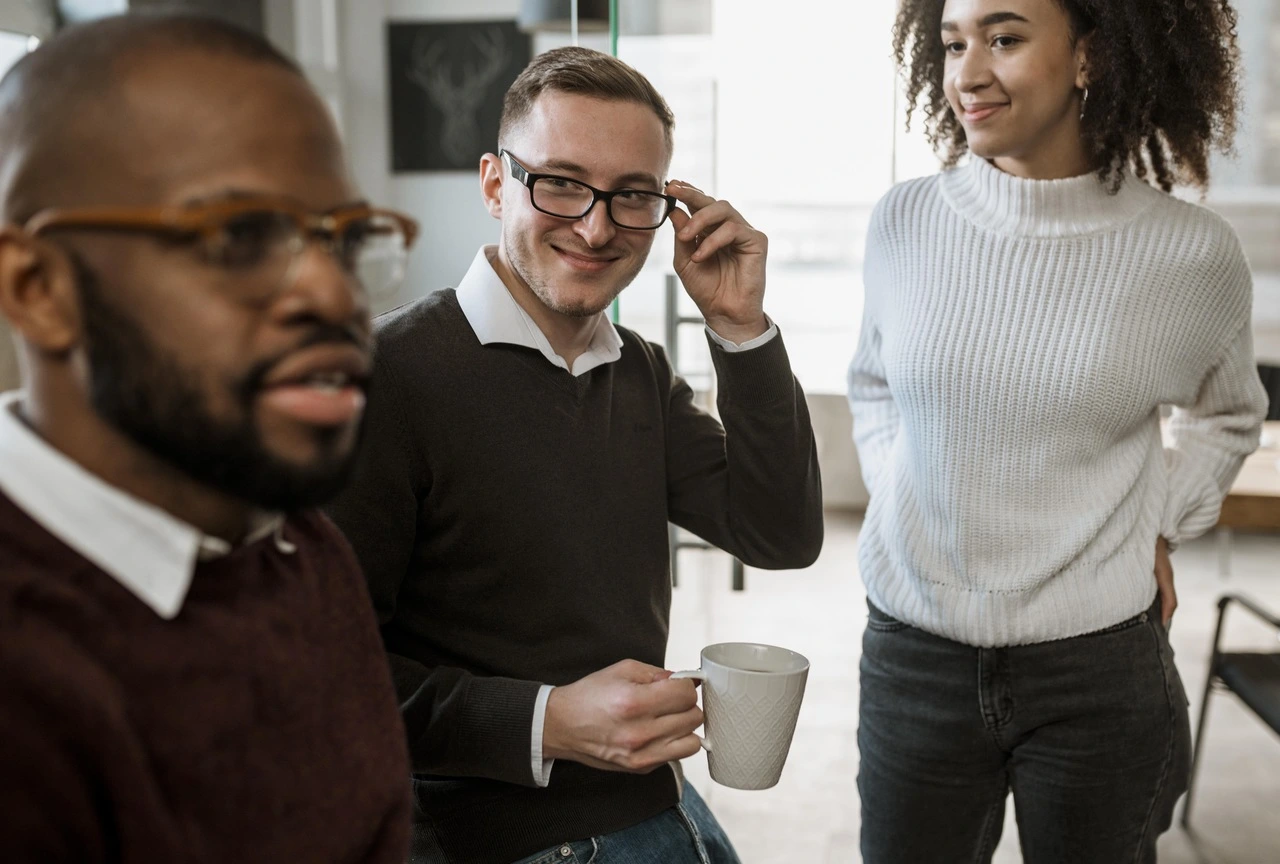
x=793 y=111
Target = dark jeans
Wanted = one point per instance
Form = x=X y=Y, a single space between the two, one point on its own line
x=1091 y=735
x=685 y=834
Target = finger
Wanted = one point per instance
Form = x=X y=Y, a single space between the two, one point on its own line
x=663 y=698
x=679 y=221
x=709 y=218
x=684 y=249
x=681 y=748
x=1168 y=595
x=1168 y=604
x=689 y=195
x=636 y=672
x=674 y=726
x=724 y=237
x=644 y=745
x=642 y=737
x=661 y=752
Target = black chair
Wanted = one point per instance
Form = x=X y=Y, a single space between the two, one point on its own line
x=1270 y=376
x=1253 y=676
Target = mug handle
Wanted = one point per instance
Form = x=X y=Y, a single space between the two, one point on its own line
x=697 y=675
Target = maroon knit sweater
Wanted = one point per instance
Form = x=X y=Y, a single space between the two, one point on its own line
x=259 y=725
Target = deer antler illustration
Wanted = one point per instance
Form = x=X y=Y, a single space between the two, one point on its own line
x=458 y=97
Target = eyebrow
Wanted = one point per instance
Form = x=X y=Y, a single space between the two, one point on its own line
x=635 y=178
x=988 y=21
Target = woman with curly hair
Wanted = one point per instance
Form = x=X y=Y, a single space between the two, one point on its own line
x=1027 y=315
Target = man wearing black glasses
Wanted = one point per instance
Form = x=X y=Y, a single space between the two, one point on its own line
x=189 y=667
x=522 y=461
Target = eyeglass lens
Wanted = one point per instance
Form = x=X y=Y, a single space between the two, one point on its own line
x=570 y=200
x=262 y=247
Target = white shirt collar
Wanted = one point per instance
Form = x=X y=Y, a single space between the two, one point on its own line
x=145 y=549
x=495 y=316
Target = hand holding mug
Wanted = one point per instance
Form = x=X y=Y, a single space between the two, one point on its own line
x=630 y=717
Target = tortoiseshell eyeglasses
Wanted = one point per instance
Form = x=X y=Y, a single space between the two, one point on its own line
x=258 y=241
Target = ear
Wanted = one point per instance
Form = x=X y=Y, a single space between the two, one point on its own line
x=1082 y=61
x=491 y=174
x=38 y=292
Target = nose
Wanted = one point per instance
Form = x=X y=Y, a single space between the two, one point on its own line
x=973 y=71
x=596 y=228
x=321 y=289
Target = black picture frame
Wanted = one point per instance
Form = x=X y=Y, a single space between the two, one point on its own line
x=447 y=82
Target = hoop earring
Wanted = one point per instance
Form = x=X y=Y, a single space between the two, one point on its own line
x=1084 y=102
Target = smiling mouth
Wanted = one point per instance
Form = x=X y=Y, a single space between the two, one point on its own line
x=978 y=113
x=587 y=263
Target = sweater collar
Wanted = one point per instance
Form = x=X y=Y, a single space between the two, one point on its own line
x=999 y=202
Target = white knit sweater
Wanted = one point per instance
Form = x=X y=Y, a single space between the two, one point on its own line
x=1018 y=340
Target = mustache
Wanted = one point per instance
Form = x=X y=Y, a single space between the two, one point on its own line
x=320 y=334
x=353 y=332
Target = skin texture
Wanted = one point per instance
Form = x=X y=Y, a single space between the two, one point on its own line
x=144 y=362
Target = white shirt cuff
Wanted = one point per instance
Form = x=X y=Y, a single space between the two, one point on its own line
x=735 y=347
x=541 y=767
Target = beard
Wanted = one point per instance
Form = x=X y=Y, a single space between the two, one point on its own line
x=524 y=264
x=155 y=399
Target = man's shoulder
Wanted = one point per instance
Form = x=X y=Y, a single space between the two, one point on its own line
x=29 y=557
x=638 y=350
x=436 y=314
x=46 y=663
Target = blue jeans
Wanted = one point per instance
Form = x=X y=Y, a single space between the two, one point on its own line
x=685 y=834
x=1090 y=734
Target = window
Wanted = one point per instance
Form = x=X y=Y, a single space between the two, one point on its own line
x=793 y=117
x=795 y=113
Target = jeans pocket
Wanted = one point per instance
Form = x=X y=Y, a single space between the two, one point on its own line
x=581 y=852
x=881 y=621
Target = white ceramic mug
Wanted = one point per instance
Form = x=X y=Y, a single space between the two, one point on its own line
x=751 y=695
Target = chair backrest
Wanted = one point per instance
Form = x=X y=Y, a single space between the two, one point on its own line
x=1270 y=376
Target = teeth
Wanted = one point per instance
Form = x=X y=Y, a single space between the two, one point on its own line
x=328 y=381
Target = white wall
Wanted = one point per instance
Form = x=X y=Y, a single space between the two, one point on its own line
x=454 y=222
x=1240 y=189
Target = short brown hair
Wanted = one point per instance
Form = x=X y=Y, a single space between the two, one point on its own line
x=587 y=73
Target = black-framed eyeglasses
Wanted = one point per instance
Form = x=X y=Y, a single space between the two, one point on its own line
x=566 y=198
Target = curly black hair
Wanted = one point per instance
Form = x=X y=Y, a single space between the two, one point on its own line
x=1162 y=84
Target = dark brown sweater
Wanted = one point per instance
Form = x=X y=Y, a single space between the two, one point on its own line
x=512 y=522
x=259 y=725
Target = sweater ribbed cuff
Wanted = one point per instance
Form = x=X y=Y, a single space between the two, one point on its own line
x=494 y=725
x=761 y=376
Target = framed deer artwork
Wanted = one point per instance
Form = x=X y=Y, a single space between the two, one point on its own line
x=447 y=83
